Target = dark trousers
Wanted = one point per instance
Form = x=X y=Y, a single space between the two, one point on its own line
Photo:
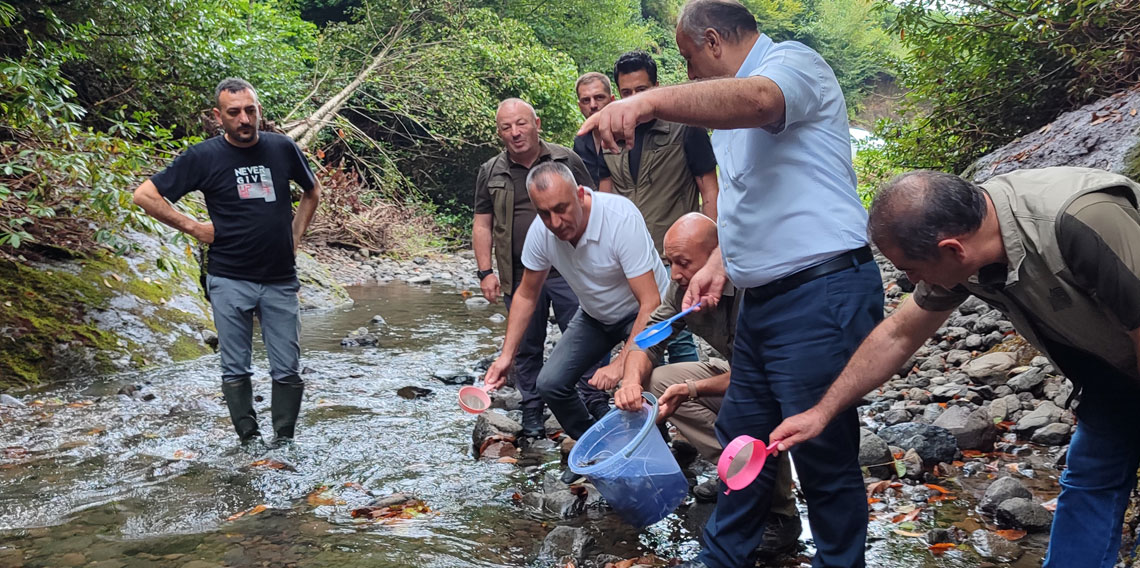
x=789 y=348
x=555 y=292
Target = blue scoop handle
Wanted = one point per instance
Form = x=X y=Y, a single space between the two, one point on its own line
x=653 y=335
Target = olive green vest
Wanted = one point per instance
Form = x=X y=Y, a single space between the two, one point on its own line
x=1040 y=295
x=665 y=187
x=502 y=190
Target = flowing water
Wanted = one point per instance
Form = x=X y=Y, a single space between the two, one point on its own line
x=90 y=477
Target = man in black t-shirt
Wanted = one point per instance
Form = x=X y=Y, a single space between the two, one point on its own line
x=594 y=93
x=253 y=237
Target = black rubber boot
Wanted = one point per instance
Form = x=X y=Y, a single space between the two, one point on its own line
x=239 y=399
x=286 y=406
x=533 y=426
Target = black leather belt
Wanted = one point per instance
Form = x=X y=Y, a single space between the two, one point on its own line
x=842 y=262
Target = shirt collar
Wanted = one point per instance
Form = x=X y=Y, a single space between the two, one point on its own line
x=755 y=56
x=1010 y=238
x=594 y=222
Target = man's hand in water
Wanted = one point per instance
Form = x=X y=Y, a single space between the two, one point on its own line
x=497 y=373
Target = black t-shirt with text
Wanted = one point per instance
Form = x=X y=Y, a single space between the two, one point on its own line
x=247 y=196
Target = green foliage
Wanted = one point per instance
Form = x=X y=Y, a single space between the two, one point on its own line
x=981 y=74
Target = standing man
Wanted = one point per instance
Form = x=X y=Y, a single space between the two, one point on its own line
x=253 y=237
x=503 y=214
x=599 y=244
x=1058 y=251
x=594 y=93
x=671 y=179
x=690 y=394
x=792 y=234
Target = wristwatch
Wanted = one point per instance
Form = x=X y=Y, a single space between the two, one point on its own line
x=484 y=273
x=692 y=389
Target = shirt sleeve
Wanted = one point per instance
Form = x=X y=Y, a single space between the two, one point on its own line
x=483 y=203
x=182 y=176
x=799 y=74
x=581 y=174
x=936 y=298
x=534 y=255
x=301 y=172
x=603 y=168
x=699 y=151
x=1100 y=242
x=634 y=249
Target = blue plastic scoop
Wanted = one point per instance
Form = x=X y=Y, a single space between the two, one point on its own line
x=658 y=332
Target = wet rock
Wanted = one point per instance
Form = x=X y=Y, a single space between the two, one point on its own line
x=476 y=302
x=957 y=357
x=913 y=464
x=990 y=368
x=9 y=400
x=933 y=443
x=938 y=536
x=1027 y=381
x=148 y=397
x=875 y=455
x=72 y=559
x=918 y=395
x=360 y=337
x=565 y=503
x=566 y=445
x=1023 y=513
x=1052 y=435
x=413 y=392
x=506 y=398
x=552 y=426
x=1003 y=408
x=319 y=290
x=129 y=390
x=421 y=279
x=494 y=424
x=454 y=377
x=946 y=393
x=379 y=320
x=1000 y=491
x=563 y=541
x=1045 y=414
x=892 y=417
x=497 y=318
x=931 y=412
x=210 y=338
x=993 y=547
x=974 y=430
x=498 y=449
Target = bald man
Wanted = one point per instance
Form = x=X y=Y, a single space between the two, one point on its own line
x=503 y=215
x=690 y=393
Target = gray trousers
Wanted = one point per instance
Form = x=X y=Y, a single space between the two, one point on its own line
x=585 y=341
x=277 y=308
x=555 y=293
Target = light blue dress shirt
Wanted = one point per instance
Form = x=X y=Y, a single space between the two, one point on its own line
x=787 y=195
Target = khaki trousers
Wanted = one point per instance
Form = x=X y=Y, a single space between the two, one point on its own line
x=695 y=421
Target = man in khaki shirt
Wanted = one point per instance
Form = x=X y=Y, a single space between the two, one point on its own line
x=690 y=393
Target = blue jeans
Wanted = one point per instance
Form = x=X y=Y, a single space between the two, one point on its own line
x=555 y=292
x=682 y=348
x=1101 y=473
x=585 y=341
x=234 y=303
x=788 y=350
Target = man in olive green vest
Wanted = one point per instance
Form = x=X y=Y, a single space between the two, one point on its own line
x=669 y=171
x=503 y=215
x=1058 y=251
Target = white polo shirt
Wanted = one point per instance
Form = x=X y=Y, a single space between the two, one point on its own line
x=615 y=248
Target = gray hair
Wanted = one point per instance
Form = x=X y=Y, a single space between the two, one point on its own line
x=232 y=85
x=916 y=210
x=544 y=175
x=729 y=18
x=513 y=101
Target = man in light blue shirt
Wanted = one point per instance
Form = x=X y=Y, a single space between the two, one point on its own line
x=793 y=234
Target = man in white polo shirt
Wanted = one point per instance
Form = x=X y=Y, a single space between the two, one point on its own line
x=600 y=245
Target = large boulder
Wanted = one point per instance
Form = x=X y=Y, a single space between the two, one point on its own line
x=319 y=290
x=1104 y=134
x=933 y=443
x=492 y=424
x=563 y=542
x=974 y=430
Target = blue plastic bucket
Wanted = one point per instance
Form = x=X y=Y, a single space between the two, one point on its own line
x=626 y=458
